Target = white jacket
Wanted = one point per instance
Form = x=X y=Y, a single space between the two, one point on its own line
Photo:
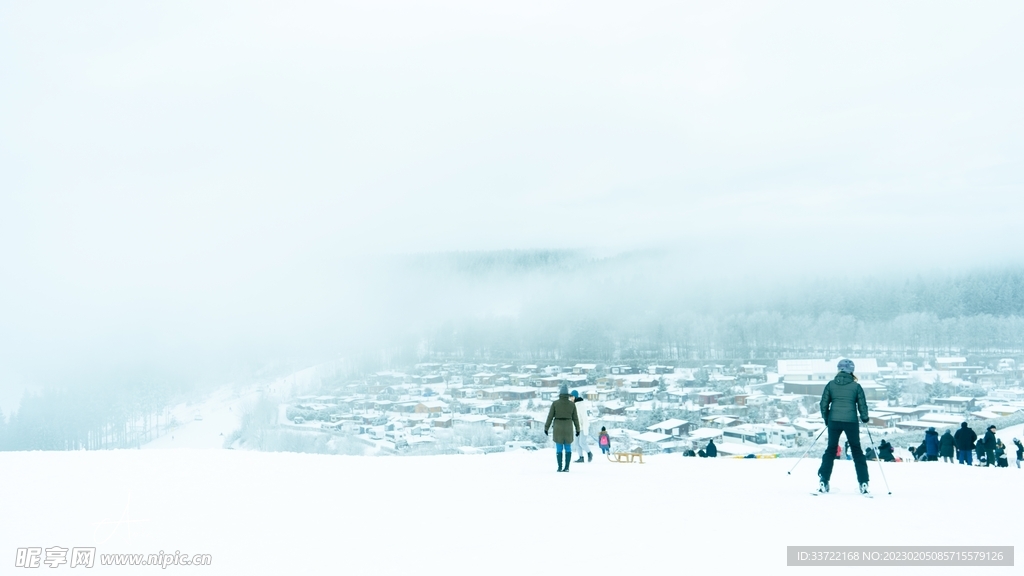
x=581 y=413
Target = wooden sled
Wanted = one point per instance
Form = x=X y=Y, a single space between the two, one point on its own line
x=636 y=455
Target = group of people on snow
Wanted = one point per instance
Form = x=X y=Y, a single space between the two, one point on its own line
x=843 y=408
x=565 y=416
x=990 y=450
x=964 y=445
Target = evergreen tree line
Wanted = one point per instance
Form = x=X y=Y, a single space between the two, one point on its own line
x=701 y=337
x=976 y=293
x=86 y=418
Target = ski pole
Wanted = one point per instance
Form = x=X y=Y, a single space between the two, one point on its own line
x=880 y=467
x=806 y=451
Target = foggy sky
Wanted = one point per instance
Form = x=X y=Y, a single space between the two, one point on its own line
x=189 y=178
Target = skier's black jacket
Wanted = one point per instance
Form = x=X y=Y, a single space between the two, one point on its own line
x=842 y=398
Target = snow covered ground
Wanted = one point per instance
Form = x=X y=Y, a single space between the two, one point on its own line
x=220 y=416
x=507 y=513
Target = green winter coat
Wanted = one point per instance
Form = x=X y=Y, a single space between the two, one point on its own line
x=563 y=413
x=842 y=398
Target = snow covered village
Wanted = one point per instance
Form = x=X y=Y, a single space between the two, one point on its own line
x=533 y=287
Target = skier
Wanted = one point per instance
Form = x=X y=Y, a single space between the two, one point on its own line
x=1020 y=451
x=711 y=450
x=841 y=400
x=931 y=445
x=990 y=446
x=946 y=444
x=582 y=443
x=964 y=440
x=604 y=441
x=563 y=414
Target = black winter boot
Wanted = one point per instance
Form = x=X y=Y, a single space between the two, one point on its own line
x=590 y=456
x=580 y=459
x=568 y=458
x=559 y=463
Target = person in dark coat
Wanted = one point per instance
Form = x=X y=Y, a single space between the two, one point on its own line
x=885 y=452
x=711 y=450
x=946 y=445
x=1001 y=460
x=931 y=444
x=563 y=414
x=1020 y=451
x=841 y=401
x=964 y=440
x=990 y=446
x=920 y=453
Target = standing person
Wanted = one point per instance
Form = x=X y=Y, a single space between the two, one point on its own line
x=604 y=441
x=964 y=440
x=711 y=450
x=582 y=439
x=990 y=446
x=885 y=451
x=946 y=445
x=563 y=414
x=931 y=445
x=1020 y=451
x=841 y=400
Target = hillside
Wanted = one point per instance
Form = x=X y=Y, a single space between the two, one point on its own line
x=510 y=513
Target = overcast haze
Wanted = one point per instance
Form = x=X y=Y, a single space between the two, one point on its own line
x=182 y=179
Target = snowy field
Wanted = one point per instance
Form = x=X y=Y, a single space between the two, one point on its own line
x=507 y=513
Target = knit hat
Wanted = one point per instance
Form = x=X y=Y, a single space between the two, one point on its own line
x=563 y=389
x=574 y=394
x=846 y=365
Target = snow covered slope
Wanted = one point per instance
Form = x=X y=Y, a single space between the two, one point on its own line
x=508 y=513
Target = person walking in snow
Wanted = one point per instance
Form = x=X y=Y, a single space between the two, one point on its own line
x=604 y=441
x=990 y=446
x=931 y=445
x=964 y=440
x=563 y=414
x=841 y=401
x=1020 y=451
x=946 y=447
x=711 y=450
x=582 y=439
